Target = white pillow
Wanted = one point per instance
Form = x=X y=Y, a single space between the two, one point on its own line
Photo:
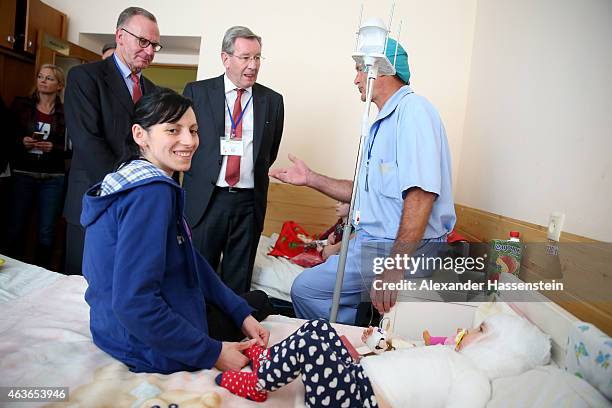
x=488 y=309
x=545 y=387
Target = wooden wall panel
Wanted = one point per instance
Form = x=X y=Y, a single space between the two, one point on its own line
x=584 y=265
x=309 y=208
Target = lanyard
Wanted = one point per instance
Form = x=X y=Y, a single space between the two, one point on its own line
x=370 y=153
x=239 y=119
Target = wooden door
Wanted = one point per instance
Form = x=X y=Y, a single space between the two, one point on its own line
x=43 y=18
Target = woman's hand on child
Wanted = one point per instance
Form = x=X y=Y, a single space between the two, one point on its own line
x=254 y=330
x=231 y=357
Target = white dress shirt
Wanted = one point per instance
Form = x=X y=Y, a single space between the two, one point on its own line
x=126 y=74
x=247 y=178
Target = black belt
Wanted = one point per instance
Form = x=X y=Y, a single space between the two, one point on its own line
x=234 y=189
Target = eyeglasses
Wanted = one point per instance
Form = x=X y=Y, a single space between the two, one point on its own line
x=245 y=59
x=48 y=78
x=144 y=43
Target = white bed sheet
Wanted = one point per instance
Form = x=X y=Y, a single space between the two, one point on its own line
x=18 y=278
x=45 y=340
x=545 y=387
x=274 y=275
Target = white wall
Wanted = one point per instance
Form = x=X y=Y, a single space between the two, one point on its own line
x=307 y=46
x=538 y=129
x=522 y=86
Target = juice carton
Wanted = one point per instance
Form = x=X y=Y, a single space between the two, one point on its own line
x=505 y=255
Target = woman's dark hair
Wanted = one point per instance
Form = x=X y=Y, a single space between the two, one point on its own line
x=163 y=105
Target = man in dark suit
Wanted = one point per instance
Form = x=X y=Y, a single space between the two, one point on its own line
x=99 y=103
x=240 y=125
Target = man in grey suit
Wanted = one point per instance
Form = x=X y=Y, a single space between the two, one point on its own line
x=99 y=103
x=240 y=125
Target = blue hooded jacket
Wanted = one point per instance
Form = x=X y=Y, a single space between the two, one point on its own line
x=148 y=286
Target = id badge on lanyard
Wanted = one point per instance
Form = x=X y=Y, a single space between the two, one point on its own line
x=231 y=146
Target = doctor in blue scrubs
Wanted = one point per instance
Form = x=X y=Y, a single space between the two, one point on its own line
x=404 y=198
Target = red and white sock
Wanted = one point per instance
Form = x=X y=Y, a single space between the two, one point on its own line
x=243 y=384
x=257 y=354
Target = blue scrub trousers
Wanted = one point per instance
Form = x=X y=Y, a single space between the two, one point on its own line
x=313 y=290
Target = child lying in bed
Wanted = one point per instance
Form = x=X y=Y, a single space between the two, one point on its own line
x=503 y=345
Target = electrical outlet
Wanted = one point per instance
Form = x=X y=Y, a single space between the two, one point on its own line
x=555 y=225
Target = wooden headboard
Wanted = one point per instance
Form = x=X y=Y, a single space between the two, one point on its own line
x=583 y=264
x=314 y=211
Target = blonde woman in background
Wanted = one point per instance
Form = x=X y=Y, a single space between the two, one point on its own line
x=37 y=163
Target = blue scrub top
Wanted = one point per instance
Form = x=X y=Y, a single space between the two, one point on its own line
x=410 y=149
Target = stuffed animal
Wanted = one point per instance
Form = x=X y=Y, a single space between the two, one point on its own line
x=377 y=341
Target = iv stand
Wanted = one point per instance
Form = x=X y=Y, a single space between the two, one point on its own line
x=372 y=71
x=374 y=62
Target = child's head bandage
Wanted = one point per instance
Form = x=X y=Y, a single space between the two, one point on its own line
x=510 y=346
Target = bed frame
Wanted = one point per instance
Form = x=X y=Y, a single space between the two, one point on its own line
x=408 y=319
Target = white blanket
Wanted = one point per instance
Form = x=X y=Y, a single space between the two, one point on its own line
x=274 y=275
x=428 y=377
x=45 y=340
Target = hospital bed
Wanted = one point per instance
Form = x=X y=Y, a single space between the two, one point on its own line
x=311 y=210
x=274 y=275
x=45 y=341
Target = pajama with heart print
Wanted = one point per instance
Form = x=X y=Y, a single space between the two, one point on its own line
x=315 y=352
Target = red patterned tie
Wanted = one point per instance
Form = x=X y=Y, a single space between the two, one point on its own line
x=136 y=91
x=232 y=170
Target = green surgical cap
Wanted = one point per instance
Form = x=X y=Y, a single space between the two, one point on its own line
x=401 y=60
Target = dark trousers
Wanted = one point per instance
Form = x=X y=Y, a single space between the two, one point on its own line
x=221 y=328
x=43 y=194
x=75 y=239
x=228 y=228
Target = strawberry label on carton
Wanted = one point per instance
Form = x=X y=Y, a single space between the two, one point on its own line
x=505 y=256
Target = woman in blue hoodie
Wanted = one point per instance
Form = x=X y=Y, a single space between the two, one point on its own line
x=149 y=290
